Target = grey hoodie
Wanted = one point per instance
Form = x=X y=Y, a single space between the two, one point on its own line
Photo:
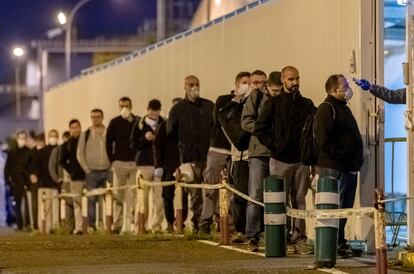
x=250 y=113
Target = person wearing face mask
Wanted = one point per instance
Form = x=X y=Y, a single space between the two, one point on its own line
x=16 y=175
x=279 y=127
x=218 y=157
x=258 y=157
x=239 y=170
x=166 y=161
x=122 y=158
x=340 y=146
x=189 y=125
x=47 y=185
x=142 y=138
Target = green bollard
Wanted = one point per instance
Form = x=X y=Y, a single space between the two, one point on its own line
x=274 y=197
x=327 y=197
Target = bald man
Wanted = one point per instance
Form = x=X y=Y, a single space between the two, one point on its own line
x=279 y=127
x=189 y=125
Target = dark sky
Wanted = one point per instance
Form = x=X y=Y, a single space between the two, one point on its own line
x=25 y=20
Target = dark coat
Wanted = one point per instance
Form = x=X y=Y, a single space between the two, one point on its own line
x=280 y=124
x=189 y=125
x=337 y=137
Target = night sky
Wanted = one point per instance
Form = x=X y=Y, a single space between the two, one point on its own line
x=24 y=20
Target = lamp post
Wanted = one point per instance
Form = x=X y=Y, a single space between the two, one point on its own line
x=67 y=21
x=18 y=52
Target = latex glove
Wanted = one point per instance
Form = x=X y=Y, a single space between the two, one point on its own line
x=364 y=84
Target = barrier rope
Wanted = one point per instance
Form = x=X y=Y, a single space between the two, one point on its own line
x=295 y=213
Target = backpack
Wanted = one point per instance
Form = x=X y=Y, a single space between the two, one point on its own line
x=309 y=148
x=229 y=118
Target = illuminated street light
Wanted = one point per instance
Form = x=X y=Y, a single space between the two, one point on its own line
x=217 y=2
x=18 y=52
x=61 y=18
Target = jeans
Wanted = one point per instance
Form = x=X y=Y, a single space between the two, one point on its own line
x=77 y=187
x=216 y=163
x=196 y=194
x=347 y=188
x=297 y=181
x=258 y=171
x=240 y=178
x=95 y=179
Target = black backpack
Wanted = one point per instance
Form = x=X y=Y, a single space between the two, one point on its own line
x=309 y=148
x=229 y=118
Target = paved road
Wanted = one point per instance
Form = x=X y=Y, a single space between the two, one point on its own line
x=22 y=253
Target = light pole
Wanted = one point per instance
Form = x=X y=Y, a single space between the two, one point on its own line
x=18 y=52
x=67 y=21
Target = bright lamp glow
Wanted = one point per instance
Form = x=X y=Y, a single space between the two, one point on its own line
x=217 y=2
x=402 y=2
x=61 y=18
x=18 y=52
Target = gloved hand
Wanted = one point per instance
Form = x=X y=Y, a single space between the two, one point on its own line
x=364 y=84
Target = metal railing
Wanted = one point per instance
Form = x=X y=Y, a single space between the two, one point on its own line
x=140 y=52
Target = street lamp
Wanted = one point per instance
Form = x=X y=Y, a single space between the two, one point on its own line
x=68 y=38
x=18 y=52
x=61 y=18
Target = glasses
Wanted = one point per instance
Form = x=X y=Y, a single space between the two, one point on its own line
x=258 y=83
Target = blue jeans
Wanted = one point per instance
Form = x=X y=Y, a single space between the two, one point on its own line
x=95 y=179
x=347 y=189
x=258 y=171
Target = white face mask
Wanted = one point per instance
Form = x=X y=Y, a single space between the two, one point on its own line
x=348 y=94
x=125 y=112
x=194 y=93
x=21 y=143
x=53 y=141
x=243 y=89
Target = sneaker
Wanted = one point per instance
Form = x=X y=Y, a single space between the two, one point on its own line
x=345 y=251
x=170 y=228
x=253 y=245
x=79 y=233
x=239 y=238
x=291 y=249
x=302 y=246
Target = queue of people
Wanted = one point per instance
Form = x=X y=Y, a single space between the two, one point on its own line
x=249 y=133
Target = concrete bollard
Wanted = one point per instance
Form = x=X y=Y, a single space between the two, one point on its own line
x=274 y=197
x=84 y=208
x=108 y=208
x=224 y=212
x=326 y=231
x=178 y=204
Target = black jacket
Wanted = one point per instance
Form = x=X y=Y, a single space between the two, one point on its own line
x=18 y=166
x=166 y=153
x=189 y=125
x=41 y=168
x=69 y=161
x=280 y=123
x=338 y=138
x=218 y=138
x=117 y=139
x=143 y=147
